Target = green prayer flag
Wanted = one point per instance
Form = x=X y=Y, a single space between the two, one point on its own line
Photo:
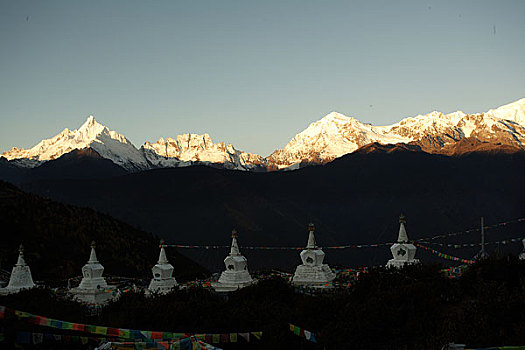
x=124 y=333
x=67 y=325
x=297 y=330
x=90 y=329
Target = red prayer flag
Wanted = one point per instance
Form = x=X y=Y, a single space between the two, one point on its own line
x=113 y=332
x=156 y=335
x=78 y=327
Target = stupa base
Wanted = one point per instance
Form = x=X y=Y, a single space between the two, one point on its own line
x=400 y=263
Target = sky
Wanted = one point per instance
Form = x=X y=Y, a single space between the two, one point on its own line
x=251 y=73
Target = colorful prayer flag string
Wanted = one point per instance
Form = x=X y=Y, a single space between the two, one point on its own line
x=444 y=256
x=121 y=333
x=303 y=333
x=358 y=246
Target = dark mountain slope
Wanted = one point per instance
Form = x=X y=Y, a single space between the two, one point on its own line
x=57 y=238
x=10 y=171
x=78 y=164
x=355 y=199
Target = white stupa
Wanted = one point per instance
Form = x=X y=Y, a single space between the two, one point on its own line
x=312 y=272
x=236 y=275
x=522 y=255
x=93 y=288
x=20 y=276
x=162 y=281
x=403 y=251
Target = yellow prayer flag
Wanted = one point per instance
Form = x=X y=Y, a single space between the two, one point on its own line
x=233 y=337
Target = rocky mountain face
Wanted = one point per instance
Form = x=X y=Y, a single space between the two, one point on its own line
x=323 y=141
x=188 y=149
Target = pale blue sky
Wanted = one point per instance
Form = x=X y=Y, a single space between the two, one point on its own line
x=253 y=73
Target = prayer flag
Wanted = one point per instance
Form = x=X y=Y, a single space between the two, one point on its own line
x=146 y=334
x=90 y=329
x=101 y=330
x=113 y=332
x=67 y=325
x=56 y=324
x=307 y=334
x=156 y=335
x=124 y=333
x=135 y=334
x=233 y=337
x=257 y=335
x=312 y=338
x=42 y=321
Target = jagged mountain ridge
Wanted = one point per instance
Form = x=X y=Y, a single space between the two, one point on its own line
x=336 y=135
x=108 y=144
x=188 y=149
x=323 y=141
x=185 y=150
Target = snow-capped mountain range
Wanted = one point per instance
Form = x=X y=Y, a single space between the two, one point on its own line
x=188 y=149
x=331 y=137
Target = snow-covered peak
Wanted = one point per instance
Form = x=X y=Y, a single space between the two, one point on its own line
x=335 y=117
x=332 y=136
x=109 y=144
x=336 y=134
x=90 y=129
x=514 y=111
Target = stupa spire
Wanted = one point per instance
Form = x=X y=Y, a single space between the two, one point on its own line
x=162 y=256
x=21 y=261
x=93 y=255
x=311 y=237
x=234 y=251
x=402 y=236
